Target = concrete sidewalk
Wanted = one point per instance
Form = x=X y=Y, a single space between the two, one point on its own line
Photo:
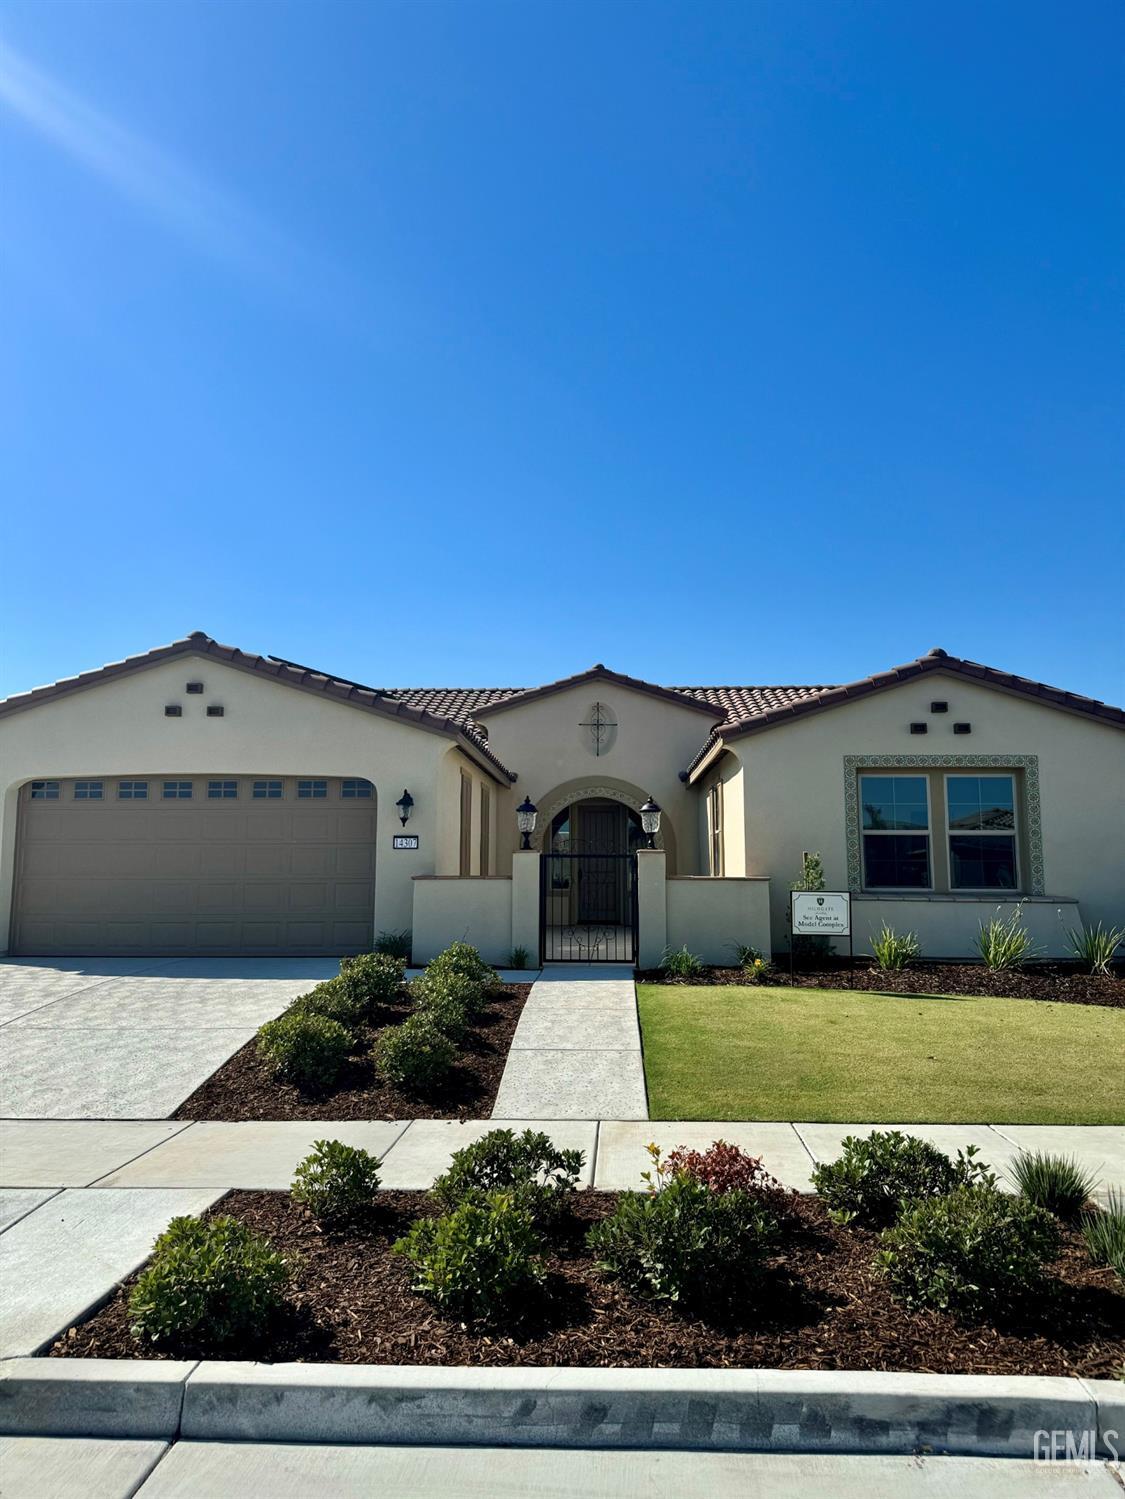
x=576 y=1053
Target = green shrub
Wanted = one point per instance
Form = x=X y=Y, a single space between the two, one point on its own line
x=679 y=963
x=528 y=1166
x=308 y=1050
x=746 y=954
x=519 y=957
x=463 y=959
x=1104 y=1232
x=968 y=1250
x=1006 y=944
x=209 y=1283
x=449 y=1013
x=416 y=1055
x=396 y=944
x=336 y=1182
x=1056 y=1183
x=481 y=1262
x=370 y=979
x=1094 y=946
x=447 y=985
x=332 y=1000
x=893 y=952
x=875 y=1177
x=685 y=1243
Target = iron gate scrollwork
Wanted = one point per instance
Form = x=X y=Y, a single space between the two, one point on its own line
x=588 y=907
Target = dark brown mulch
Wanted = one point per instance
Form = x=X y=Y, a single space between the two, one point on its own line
x=823 y=1307
x=244 y=1087
x=1060 y=983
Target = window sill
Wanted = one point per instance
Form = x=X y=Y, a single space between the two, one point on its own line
x=970 y=897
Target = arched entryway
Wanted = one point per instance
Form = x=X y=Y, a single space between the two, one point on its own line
x=588 y=879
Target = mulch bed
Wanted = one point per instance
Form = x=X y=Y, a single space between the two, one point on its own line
x=823 y=1307
x=244 y=1087
x=1059 y=983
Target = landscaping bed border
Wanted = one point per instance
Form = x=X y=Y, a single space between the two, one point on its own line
x=740 y=1410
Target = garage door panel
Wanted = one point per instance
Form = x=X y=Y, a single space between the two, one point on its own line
x=184 y=876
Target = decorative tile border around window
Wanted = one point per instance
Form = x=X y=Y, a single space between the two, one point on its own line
x=1029 y=764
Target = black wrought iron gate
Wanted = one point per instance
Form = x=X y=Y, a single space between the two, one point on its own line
x=588 y=908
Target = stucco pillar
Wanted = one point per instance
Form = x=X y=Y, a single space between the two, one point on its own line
x=652 y=908
x=525 y=901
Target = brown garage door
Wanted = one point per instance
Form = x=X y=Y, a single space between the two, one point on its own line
x=183 y=864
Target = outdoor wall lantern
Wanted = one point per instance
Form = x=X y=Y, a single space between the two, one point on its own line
x=405 y=805
x=650 y=821
x=526 y=814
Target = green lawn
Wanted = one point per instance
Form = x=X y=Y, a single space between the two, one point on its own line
x=834 y=1056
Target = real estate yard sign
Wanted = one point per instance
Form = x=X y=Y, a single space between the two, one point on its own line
x=820 y=913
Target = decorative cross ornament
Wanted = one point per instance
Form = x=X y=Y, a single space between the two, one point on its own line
x=602 y=727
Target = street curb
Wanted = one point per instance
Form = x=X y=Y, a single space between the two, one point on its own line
x=751 y=1410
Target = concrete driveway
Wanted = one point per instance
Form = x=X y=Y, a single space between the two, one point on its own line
x=130 y=1038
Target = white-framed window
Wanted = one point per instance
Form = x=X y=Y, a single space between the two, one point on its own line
x=312 y=789
x=715 y=828
x=266 y=791
x=222 y=790
x=981 y=826
x=87 y=791
x=356 y=787
x=176 y=791
x=44 y=791
x=895 y=827
x=132 y=791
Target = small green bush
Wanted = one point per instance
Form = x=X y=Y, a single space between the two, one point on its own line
x=308 y=1050
x=679 y=963
x=446 y=1011
x=519 y=957
x=370 y=979
x=444 y=984
x=1005 y=944
x=757 y=971
x=209 y=1283
x=1056 y=1183
x=527 y=1165
x=1094 y=946
x=685 y=1243
x=463 y=959
x=1104 y=1233
x=396 y=944
x=416 y=1055
x=969 y=1250
x=893 y=952
x=332 y=1000
x=336 y=1182
x=876 y=1176
x=746 y=954
x=481 y=1262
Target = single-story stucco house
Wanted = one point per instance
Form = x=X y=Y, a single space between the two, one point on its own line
x=200 y=800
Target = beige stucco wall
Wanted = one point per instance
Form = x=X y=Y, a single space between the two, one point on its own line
x=710 y=915
x=794 y=775
x=655 y=740
x=946 y=925
x=730 y=772
x=476 y=910
x=118 y=728
x=448 y=857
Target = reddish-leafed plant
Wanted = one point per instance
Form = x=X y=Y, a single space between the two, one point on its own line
x=723 y=1168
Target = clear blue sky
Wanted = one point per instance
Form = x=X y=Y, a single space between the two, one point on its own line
x=770 y=341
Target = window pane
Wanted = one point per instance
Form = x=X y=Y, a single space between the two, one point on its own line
x=982 y=863
x=222 y=789
x=892 y=802
x=312 y=788
x=982 y=802
x=355 y=788
x=896 y=862
x=270 y=790
x=44 y=791
x=87 y=791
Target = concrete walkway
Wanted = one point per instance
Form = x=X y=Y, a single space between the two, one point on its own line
x=576 y=1053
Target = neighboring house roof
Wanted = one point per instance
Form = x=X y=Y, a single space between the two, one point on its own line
x=937 y=660
x=287 y=673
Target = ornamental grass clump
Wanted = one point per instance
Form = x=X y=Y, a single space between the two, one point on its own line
x=894 y=952
x=336 y=1182
x=416 y=1055
x=968 y=1251
x=876 y=1176
x=371 y=979
x=1094 y=946
x=1005 y=944
x=305 y=1049
x=211 y=1283
x=679 y=963
x=1104 y=1233
x=482 y=1262
x=396 y=944
x=1055 y=1183
x=686 y=1243
x=527 y=1166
